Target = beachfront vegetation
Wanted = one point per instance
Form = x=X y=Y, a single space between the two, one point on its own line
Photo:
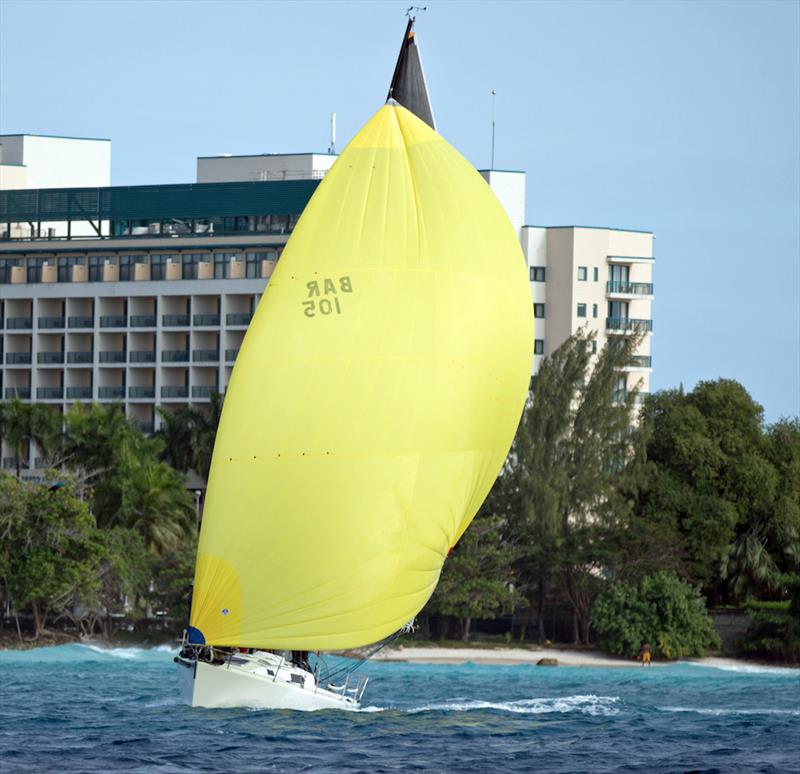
x=661 y=609
x=108 y=532
x=605 y=502
x=604 y=497
x=479 y=580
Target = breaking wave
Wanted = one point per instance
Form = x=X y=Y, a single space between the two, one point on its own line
x=588 y=704
x=727 y=711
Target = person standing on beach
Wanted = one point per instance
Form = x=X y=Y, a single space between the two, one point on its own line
x=644 y=654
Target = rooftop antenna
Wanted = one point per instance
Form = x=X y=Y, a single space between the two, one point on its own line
x=332 y=148
x=494 y=94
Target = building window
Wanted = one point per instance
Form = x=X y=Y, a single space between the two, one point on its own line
x=617 y=273
x=125 y=268
x=582 y=273
x=35 y=269
x=253 y=264
x=594 y=311
x=157 y=263
x=538 y=310
x=618 y=309
x=65 y=265
x=581 y=310
x=620 y=390
x=96 y=268
x=537 y=274
x=596 y=273
x=538 y=346
x=594 y=346
x=6 y=264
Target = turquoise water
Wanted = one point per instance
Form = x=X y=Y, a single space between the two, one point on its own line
x=81 y=708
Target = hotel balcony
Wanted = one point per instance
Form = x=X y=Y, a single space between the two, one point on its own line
x=113 y=356
x=113 y=321
x=79 y=357
x=206 y=319
x=238 y=318
x=19 y=323
x=175 y=391
x=49 y=393
x=111 y=393
x=230 y=355
x=51 y=322
x=141 y=392
x=629 y=289
x=204 y=390
x=81 y=322
x=175 y=320
x=79 y=393
x=23 y=393
x=142 y=356
x=9 y=463
x=145 y=426
x=47 y=358
x=175 y=356
x=143 y=321
x=18 y=358
x=625 y=325
x=205 y=355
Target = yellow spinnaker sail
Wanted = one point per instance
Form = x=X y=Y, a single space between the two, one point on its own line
x=373 y=401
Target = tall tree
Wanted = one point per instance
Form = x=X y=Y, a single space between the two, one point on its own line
x=573 y=450
x=724 y=487
x=478 y=577
x=49 y=555
x=23 y=422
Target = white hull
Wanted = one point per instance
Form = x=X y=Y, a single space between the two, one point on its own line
x=260 y=680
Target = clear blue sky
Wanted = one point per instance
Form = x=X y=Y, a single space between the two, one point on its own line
x=676 y=117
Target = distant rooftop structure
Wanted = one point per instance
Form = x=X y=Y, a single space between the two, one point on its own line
x=229 y=168
x=51 y=161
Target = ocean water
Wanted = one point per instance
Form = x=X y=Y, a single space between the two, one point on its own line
x=83 y=708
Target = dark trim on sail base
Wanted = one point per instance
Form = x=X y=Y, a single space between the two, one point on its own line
x=408 y=86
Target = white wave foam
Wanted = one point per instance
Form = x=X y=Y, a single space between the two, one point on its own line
x=744 y=668
x=726 y=711
x=128 y=654
x=588 y=705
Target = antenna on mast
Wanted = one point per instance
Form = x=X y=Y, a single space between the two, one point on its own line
x=494 y=94
x=415 y=8
x=332 y=147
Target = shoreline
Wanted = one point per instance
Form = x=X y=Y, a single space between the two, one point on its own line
x=533 y=655
x=487 y=654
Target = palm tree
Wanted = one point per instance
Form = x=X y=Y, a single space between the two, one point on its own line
x=205 y=433
x=153 y=500
x=176 y=432
x=24 y=422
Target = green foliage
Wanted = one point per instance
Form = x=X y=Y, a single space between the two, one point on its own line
x=774 y=630
x=189 y=434
x=21 y=423
x=478 y=577
x=573 y=451
x=49 y=555
x=661 y=609
x=722 y=489
x=173 y=575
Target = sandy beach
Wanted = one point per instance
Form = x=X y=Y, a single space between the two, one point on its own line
x=563 y=657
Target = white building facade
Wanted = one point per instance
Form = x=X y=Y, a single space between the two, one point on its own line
x=141 y=295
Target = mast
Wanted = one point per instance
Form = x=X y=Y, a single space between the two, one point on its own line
x=408 y=87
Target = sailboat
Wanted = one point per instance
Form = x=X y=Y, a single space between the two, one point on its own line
x=371 y=407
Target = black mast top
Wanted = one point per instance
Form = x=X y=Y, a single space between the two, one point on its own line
x=408 y=82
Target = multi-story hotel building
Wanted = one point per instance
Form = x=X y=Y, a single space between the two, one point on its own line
x=141 y=295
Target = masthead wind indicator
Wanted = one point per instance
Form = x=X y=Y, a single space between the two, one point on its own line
x=408 y=87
